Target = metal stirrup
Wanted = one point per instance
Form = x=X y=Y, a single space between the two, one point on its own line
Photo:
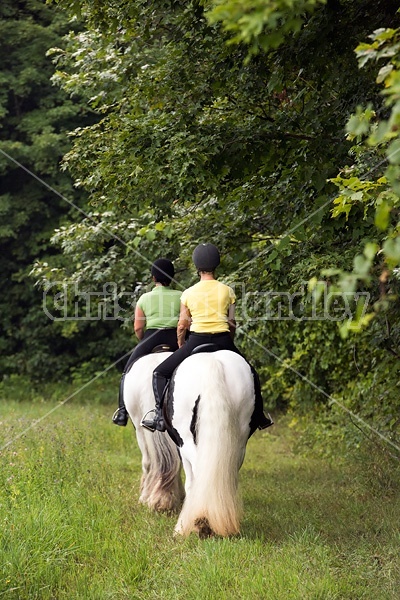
x=142 y=422
x=153 y=410
x=117 y=412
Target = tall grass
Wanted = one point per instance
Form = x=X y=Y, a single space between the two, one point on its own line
x=71 y=526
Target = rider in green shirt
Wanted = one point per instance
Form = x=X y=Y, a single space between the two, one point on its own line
x=156 y=319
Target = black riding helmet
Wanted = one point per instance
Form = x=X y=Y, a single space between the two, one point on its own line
x=163 y=270
x=206 y=257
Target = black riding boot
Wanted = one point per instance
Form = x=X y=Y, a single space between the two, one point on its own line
x=160 y=385
x=259 y=419
x=263 y=420
x=120 y=417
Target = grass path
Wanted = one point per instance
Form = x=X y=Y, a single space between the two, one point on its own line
x=71 y=526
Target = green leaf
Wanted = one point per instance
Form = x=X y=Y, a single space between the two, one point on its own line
x=382 y=215
x=393 y=152
x=370 y=250
x=391 y=249
x=271 y=256
x=361 y=265
x=283 y=243
x=359 y=123
x=384 y=72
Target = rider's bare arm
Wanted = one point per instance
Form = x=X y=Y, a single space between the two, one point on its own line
x=139 y=323
x=185 y=319
x=231 y=320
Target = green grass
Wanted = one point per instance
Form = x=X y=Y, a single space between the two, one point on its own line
x=71 y=526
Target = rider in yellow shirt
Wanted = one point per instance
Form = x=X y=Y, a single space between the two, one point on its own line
x=208 y=312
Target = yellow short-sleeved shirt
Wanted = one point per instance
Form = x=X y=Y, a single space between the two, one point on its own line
x=208 y=302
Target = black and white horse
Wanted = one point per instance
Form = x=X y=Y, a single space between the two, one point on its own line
x=208 y=411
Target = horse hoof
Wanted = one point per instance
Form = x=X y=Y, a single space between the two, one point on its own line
x=178 y=533
x=203 y=528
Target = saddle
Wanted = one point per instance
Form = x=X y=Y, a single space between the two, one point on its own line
x=161 y=348
x=202 y=348
x=205 y=348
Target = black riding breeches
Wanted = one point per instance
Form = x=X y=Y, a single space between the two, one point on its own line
x=151 y=339
x=222 y=340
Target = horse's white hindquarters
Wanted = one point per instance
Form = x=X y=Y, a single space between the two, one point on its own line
x=213 y=401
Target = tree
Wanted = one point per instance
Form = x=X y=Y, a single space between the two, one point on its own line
x=35 y=118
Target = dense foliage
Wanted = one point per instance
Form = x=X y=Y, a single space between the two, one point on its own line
x=250 y=125
x=35 y=195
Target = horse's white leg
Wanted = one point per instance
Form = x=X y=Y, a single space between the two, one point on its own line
x=188 y=457
x=146 y=465
x=133 y=405
x=179 y=529
x=187 y=467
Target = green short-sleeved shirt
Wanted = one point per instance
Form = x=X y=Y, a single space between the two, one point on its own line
x=161 y=307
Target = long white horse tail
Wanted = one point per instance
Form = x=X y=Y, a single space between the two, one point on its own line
x=212 y=502
x=161 y=487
